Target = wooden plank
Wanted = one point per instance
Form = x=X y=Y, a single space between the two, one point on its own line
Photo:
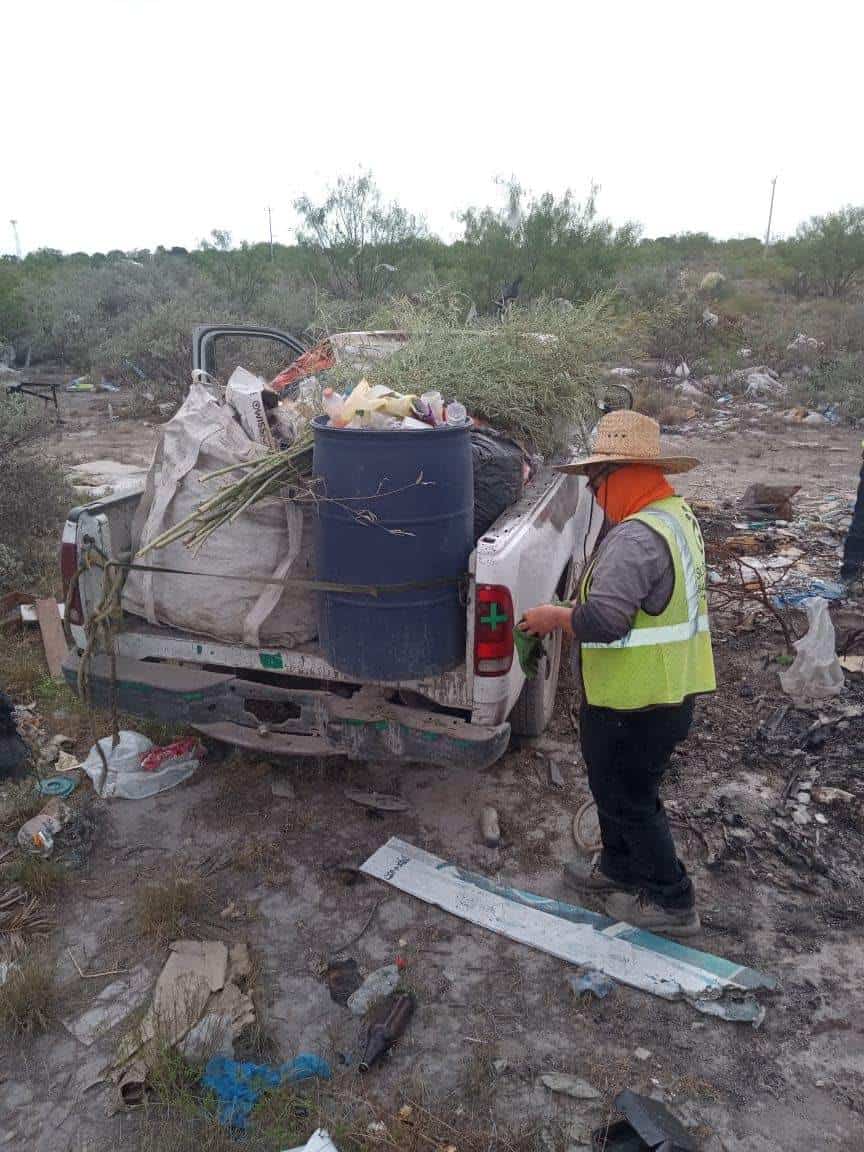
x=53 y=640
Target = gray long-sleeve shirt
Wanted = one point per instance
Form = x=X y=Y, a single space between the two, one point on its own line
x=633 y=570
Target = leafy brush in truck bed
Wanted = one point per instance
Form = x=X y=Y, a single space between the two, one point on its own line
x=532 y=376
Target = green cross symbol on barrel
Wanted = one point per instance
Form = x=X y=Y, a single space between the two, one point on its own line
x=495 y=616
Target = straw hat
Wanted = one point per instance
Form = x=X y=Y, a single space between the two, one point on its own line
x=629 y=438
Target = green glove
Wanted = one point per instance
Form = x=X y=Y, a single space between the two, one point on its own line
x=529 y=649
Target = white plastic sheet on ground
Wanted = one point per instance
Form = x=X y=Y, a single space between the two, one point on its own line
x=319 y=1141
x=630 y=955
x=816 y=673
x=125 y=780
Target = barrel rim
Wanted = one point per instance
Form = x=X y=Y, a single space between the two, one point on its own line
x=321 y=426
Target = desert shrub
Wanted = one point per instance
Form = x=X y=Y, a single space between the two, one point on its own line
x=827 y=253
x=34 y=498
x=675 y=330
x=836 y=381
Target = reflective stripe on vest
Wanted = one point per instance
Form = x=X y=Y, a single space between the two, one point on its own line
x=669 y=633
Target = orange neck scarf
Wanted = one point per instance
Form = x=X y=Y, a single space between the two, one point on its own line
x=630 y=489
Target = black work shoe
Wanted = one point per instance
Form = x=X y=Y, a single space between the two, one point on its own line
x=639 y=910
x=586 y=876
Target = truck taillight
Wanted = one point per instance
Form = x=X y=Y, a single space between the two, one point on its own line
x=493 y=630
x=68 y=568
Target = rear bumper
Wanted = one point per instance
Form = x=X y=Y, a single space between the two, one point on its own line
x=306 y=722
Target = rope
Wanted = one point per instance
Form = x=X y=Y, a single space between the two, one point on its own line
x=299 y=581
x=99 y=631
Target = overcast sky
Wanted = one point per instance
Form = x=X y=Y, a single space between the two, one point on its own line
x=133 y=123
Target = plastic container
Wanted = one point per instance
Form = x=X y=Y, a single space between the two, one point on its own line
x=422 y=534
x=375 y=987
x=37 y=835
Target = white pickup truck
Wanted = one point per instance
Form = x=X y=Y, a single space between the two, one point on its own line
x=291 y=702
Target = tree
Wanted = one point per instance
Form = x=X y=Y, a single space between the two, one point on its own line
x=827 y=253
x=559 y=246
x=242 y=272
x=353 y=229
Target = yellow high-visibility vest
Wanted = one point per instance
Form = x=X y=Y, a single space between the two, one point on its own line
x=662 y=659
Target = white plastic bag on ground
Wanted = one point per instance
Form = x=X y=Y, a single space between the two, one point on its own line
x=126 y=778
x=816 y=673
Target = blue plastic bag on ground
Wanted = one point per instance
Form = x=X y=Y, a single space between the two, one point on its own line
x=237 y=1084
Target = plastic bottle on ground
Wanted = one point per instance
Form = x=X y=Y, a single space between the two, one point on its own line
x=37 y=835
x=375 y=987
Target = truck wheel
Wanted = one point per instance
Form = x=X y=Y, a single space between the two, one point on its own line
x=533 y=710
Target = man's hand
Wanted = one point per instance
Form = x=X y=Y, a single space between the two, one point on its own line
x=545 y=618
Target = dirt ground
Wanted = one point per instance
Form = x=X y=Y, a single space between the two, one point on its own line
x=493 y=1016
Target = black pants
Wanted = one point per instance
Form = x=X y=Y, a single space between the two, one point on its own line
x=853 y=552
x=626 y=754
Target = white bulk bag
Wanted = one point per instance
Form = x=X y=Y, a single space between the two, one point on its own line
x=272 y=539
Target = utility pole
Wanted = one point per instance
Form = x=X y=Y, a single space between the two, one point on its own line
x=770 y=216
x=14 y=224
x=270 y=222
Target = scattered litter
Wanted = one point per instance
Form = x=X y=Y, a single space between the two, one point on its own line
x=378 y=801
x=816 y=673
x=769 y=501
x=798 y=596
x=555 y=777
x=648 y=1125
x=566 y=1085
x=802 y=341
x=66 y=762
x=762 y=382
x=211 y=1036
x=37 y=835
x=80 y=384
x=60 y=786
x=832 y=796
x=198 y=980
x=391 y=1020
x=376 y=1130
x=112 y=1004
x=629 y=955
x=319 y=1141
x=375 y=987
x=490 y=829
x=591 y=982
x=343 y=979
x=853 y=664
x=642 y=1054
x=237 y=1085
x=745 y=1011
x=30 y=616
x=137 y=769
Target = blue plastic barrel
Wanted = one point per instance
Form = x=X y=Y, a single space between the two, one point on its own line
x=422 y=533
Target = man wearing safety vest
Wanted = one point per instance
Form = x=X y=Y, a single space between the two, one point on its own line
x=642 y=643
